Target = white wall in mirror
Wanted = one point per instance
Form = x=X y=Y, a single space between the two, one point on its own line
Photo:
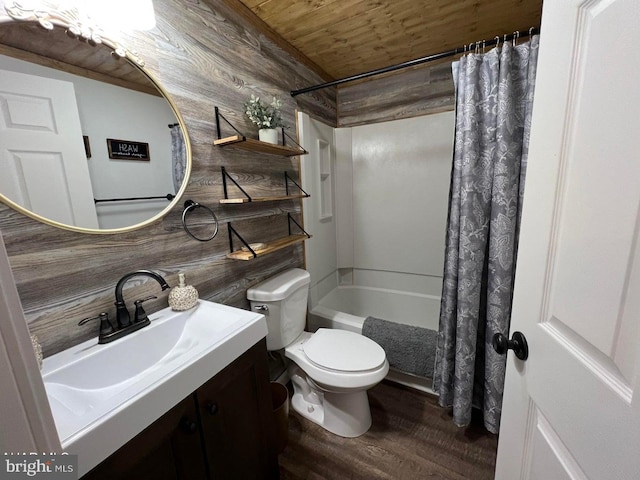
x=108 y=111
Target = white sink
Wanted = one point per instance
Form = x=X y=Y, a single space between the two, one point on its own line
x=101 y=396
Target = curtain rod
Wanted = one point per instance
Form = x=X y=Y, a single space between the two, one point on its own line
x=450 y=53
x=168 y=196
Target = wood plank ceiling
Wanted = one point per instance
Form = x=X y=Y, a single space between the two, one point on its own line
x=347 y=37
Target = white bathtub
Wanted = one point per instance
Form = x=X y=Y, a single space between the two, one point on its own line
x=346 y=307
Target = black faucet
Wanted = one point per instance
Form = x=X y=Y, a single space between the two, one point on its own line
x=122 y=314
x=109 y=332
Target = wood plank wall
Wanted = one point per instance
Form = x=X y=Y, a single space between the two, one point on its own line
x=205 y=55
x=408 y=93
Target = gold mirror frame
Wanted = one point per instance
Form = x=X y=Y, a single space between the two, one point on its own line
x=70 y=21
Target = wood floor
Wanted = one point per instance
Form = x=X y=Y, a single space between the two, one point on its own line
x=411 y=438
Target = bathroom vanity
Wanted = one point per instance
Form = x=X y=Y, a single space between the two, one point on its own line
x=188 y=396
x=223 y=430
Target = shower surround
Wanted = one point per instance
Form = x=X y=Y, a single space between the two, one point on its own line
x=378 y=240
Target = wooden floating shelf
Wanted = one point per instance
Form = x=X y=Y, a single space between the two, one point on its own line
x=233 y=201
x=252 y=145
x=272 y=246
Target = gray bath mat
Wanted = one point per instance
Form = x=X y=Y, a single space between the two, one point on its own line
x=408 y=348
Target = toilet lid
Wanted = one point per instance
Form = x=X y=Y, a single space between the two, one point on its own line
x=344 y=351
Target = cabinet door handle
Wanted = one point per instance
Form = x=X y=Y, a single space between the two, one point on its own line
x=188 y=425
x=212 y=408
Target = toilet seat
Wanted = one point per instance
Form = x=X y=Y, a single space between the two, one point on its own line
x=336 y=379
x=343 y=351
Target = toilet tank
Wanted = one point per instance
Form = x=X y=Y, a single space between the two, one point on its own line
x=283 y=301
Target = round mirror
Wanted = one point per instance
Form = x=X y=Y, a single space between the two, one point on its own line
x=89 y=141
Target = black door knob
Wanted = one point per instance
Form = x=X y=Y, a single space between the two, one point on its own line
x=518 y=344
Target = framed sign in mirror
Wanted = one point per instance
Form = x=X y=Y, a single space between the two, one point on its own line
x=64 y=90
x=127 y=150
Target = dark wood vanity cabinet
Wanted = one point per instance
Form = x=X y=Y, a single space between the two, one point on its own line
x=237 y=420
x=224 y=430
x=170 y=448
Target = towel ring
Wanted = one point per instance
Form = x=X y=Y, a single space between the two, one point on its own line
x=190 y=205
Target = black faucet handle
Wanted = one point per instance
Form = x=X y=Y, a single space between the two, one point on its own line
x=141 y=315
x=106 y=327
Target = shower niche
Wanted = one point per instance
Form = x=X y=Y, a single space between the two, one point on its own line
x=326 y=179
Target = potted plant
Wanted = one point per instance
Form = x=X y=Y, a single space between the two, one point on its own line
x=266 y=116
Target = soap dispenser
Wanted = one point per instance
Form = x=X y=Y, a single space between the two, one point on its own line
x=183 y=297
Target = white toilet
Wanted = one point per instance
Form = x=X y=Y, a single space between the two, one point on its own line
x=331 y=370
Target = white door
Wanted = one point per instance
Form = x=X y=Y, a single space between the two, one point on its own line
x=42 y=156
x=572 y=411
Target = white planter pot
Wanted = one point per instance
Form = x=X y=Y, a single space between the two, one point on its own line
x=269 y=135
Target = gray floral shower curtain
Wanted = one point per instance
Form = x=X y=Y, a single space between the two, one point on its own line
x=494 y=94
x=178 y=156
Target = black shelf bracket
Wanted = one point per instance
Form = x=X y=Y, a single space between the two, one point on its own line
x=290 y=219
x=288 y=179
x=225 y=175
x=218 y=130
x=285 y=135
x=233 y=232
